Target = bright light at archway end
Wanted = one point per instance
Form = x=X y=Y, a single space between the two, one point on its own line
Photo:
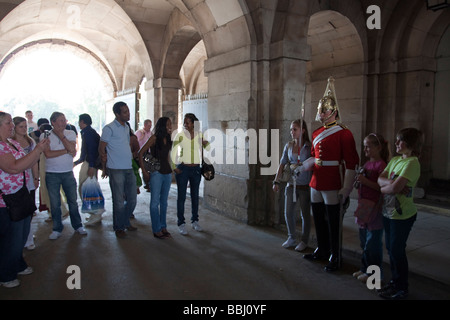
x=59 y=77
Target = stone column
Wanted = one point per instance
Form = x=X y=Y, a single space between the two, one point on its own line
x=229 y=98
x=166 y=99
x=258 y=98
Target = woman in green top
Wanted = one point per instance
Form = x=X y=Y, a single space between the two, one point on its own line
x=398 y=180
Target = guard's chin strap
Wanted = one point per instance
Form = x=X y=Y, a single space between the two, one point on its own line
x=329 y=117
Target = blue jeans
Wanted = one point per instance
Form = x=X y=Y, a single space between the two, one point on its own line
x=13 y=236
x=303 y=199
x=54 y=182
x=160 y=187
x=193 y=176
x=124 y=196
x=397 y=232
x=371 y=242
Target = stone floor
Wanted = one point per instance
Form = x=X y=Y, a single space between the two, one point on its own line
x=228 y=261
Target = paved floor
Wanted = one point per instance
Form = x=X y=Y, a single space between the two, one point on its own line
x=228 y=261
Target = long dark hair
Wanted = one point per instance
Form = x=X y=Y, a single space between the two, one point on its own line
x=305 y=135
x=161 y=133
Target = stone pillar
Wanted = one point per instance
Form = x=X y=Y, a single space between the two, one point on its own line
x=166 y=99
x=150 y=98
x=229 y=94
x=287 y=89
x=257 y=97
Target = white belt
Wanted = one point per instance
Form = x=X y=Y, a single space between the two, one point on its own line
x=324 y=163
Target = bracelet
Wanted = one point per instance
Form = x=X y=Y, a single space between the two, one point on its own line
x=276 y=182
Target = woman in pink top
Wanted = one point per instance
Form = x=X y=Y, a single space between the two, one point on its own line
x=13 y=234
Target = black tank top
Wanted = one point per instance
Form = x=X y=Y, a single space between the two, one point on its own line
x=163 y=156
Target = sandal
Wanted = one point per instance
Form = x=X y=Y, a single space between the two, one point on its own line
x=159 y=235
x=166 y=233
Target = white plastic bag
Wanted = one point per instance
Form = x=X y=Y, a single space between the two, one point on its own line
x=93 y=200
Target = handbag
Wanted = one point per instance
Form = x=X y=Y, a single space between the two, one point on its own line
x=151 y=163
x=207 y=171
x=288 y=170
x=286 y=175
x=20 y=204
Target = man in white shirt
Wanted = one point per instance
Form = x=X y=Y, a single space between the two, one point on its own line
x=59 y=173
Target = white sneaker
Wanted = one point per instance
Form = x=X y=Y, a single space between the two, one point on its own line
x=54 y=235
x=81 y=230
x=11 y=284
x=290 y=242
x=356 y=274
x=301 y=246
x=196 y=226
x=28 y=270
x=182 y=229
x=94 y=218
x=363 y=277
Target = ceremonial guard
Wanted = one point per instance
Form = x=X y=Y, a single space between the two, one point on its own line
x=334 y=160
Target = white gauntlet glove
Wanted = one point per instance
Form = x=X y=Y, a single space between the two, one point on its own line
x=348 y=184
x=307 y=165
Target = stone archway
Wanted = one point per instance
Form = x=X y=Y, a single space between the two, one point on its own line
x=180 y=38
x=77 y=49
x=336 y=50
x=100 y=26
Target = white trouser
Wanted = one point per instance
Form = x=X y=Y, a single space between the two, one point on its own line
x=329 y=197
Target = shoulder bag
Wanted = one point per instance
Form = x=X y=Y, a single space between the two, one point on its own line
x=286 y=175
x=288 y=170
x=207 y=169
x=151 y=163
x=20 y=204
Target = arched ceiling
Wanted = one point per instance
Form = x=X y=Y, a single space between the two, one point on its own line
x=130 y=36
x=334 y=41
x=101 y=26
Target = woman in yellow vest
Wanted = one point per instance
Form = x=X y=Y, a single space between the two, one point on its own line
x=187 y=154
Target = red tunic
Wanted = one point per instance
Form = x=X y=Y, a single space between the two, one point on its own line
x=340 y=147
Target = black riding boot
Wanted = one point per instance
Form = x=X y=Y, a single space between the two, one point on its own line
x=323 y=243
x=335 y=229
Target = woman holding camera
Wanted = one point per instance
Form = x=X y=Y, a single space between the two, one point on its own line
x=13 y=234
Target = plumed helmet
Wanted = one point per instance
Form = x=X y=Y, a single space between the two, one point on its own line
x=328 y=102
